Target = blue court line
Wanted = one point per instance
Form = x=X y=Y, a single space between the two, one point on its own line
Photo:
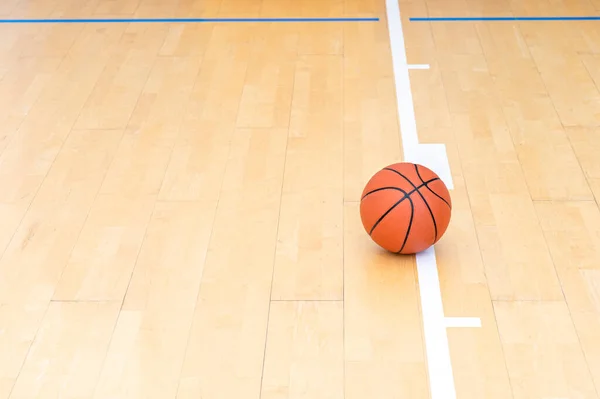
x=461 y=19
x=178 y=20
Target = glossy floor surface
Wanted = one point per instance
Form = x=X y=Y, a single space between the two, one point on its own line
x=179 y=202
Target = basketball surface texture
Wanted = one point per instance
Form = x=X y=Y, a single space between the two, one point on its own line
x=405 y=208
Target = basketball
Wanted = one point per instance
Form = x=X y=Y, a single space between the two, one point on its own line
x=405 y=208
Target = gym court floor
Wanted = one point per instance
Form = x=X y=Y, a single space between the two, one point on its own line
x=180 y=185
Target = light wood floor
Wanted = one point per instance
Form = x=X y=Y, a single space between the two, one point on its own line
x=179 y=215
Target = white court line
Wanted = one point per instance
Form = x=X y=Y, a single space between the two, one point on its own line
x=418 y=66
x=441 y=379
x=406 y=113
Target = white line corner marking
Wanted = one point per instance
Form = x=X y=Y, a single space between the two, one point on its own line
x=418 y=66
x=441 y=379
x=434 y=156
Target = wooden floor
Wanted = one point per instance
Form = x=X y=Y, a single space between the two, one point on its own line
x=179 y=202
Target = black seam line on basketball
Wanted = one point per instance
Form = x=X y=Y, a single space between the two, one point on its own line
x=412 y=211
x=406 y=196
x=396 y=188
x=423 y=198
x=429 y=188
x=410 y=221
x=389 y=210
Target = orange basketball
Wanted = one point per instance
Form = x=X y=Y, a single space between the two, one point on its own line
x=405 y=208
